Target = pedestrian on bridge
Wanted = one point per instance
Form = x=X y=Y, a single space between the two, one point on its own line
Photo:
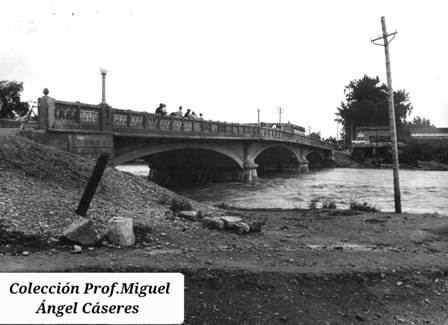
x=179 y=113
x=160 y=109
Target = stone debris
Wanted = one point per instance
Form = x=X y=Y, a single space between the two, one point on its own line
x=189 y=215
x=255 y=226
x=213 y=223
x=53 y=183
x=230 y=221
x=76 y=249
x=82 y=231
x=121 y=232
x=241 y=228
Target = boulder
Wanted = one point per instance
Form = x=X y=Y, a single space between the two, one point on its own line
x=76 y=249
x=255 y=226
x=190 y=215
x=121 y=231
x=241 y=228
x=230 y=221
x=82 y=231
x=213 y=223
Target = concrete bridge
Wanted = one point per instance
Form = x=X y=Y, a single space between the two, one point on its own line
x=176 y=148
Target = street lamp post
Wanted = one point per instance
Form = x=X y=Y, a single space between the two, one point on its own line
x=103 y=94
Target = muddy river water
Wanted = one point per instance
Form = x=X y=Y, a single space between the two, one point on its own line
x=421 y=191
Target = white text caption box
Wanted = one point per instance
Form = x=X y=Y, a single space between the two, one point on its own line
x=91 y=298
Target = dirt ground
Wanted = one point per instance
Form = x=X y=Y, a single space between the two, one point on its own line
x=305 y=267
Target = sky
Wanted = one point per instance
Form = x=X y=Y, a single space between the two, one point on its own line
x=226 y=59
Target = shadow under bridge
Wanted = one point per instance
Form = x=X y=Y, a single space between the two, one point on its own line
x=193 y=165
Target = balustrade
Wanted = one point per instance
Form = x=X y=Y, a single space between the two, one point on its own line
x=77 y=115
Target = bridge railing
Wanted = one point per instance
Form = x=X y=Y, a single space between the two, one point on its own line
x=80 y=116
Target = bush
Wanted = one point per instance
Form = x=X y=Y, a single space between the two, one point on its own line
x=164 y=199
x=357 y=156
x=363 y=206
x=329 y=204
x=313 y=204
x=179 y=204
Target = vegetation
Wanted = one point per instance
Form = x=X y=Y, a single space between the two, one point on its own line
x=179 y=203
x=366 y=105
x=415 y=151
x=419 y=122
x=10 y=104
x=363 y=206
x=313 y=204
x=329 y=204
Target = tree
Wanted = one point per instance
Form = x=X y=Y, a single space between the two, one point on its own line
x=419 y=122
x=10 y=104
x=366 y=105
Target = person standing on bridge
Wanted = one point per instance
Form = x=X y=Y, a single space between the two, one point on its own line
x=179 y=113
x=159 y=110
x=187 y=113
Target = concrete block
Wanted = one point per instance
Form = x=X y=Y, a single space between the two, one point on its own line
x=230 y=221
x=82 y=231
x=190 y=215
x=242 y=228
x=121 y=231
x=213 y=223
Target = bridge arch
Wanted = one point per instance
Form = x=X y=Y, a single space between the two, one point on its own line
x=275 y=157
x=161 y=148
x=256 y=151
x=316 y=159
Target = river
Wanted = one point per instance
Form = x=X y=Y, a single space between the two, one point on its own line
x=421 y=191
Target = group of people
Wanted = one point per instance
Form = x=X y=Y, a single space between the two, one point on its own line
x=161 y=110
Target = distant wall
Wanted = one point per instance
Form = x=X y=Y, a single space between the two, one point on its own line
x=9 y=124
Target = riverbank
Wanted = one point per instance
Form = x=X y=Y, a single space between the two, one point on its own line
x=305 y=267
x=345 y=160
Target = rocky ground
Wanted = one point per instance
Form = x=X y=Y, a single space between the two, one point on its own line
x=304 y=267
x=40 y=187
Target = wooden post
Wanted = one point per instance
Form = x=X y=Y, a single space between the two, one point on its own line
x=393 y=129
x=92 y=185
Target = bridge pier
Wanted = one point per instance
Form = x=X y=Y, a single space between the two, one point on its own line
x=303 y=166
x=249 y=173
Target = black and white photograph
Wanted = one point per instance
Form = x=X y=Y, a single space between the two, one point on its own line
x=223 y=162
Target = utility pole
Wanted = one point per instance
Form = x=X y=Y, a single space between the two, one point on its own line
x=337 y=131
x=280 y=112
x=351 y=135
x=390 y=99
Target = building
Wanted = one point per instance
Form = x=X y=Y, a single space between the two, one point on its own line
x=297 y=129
